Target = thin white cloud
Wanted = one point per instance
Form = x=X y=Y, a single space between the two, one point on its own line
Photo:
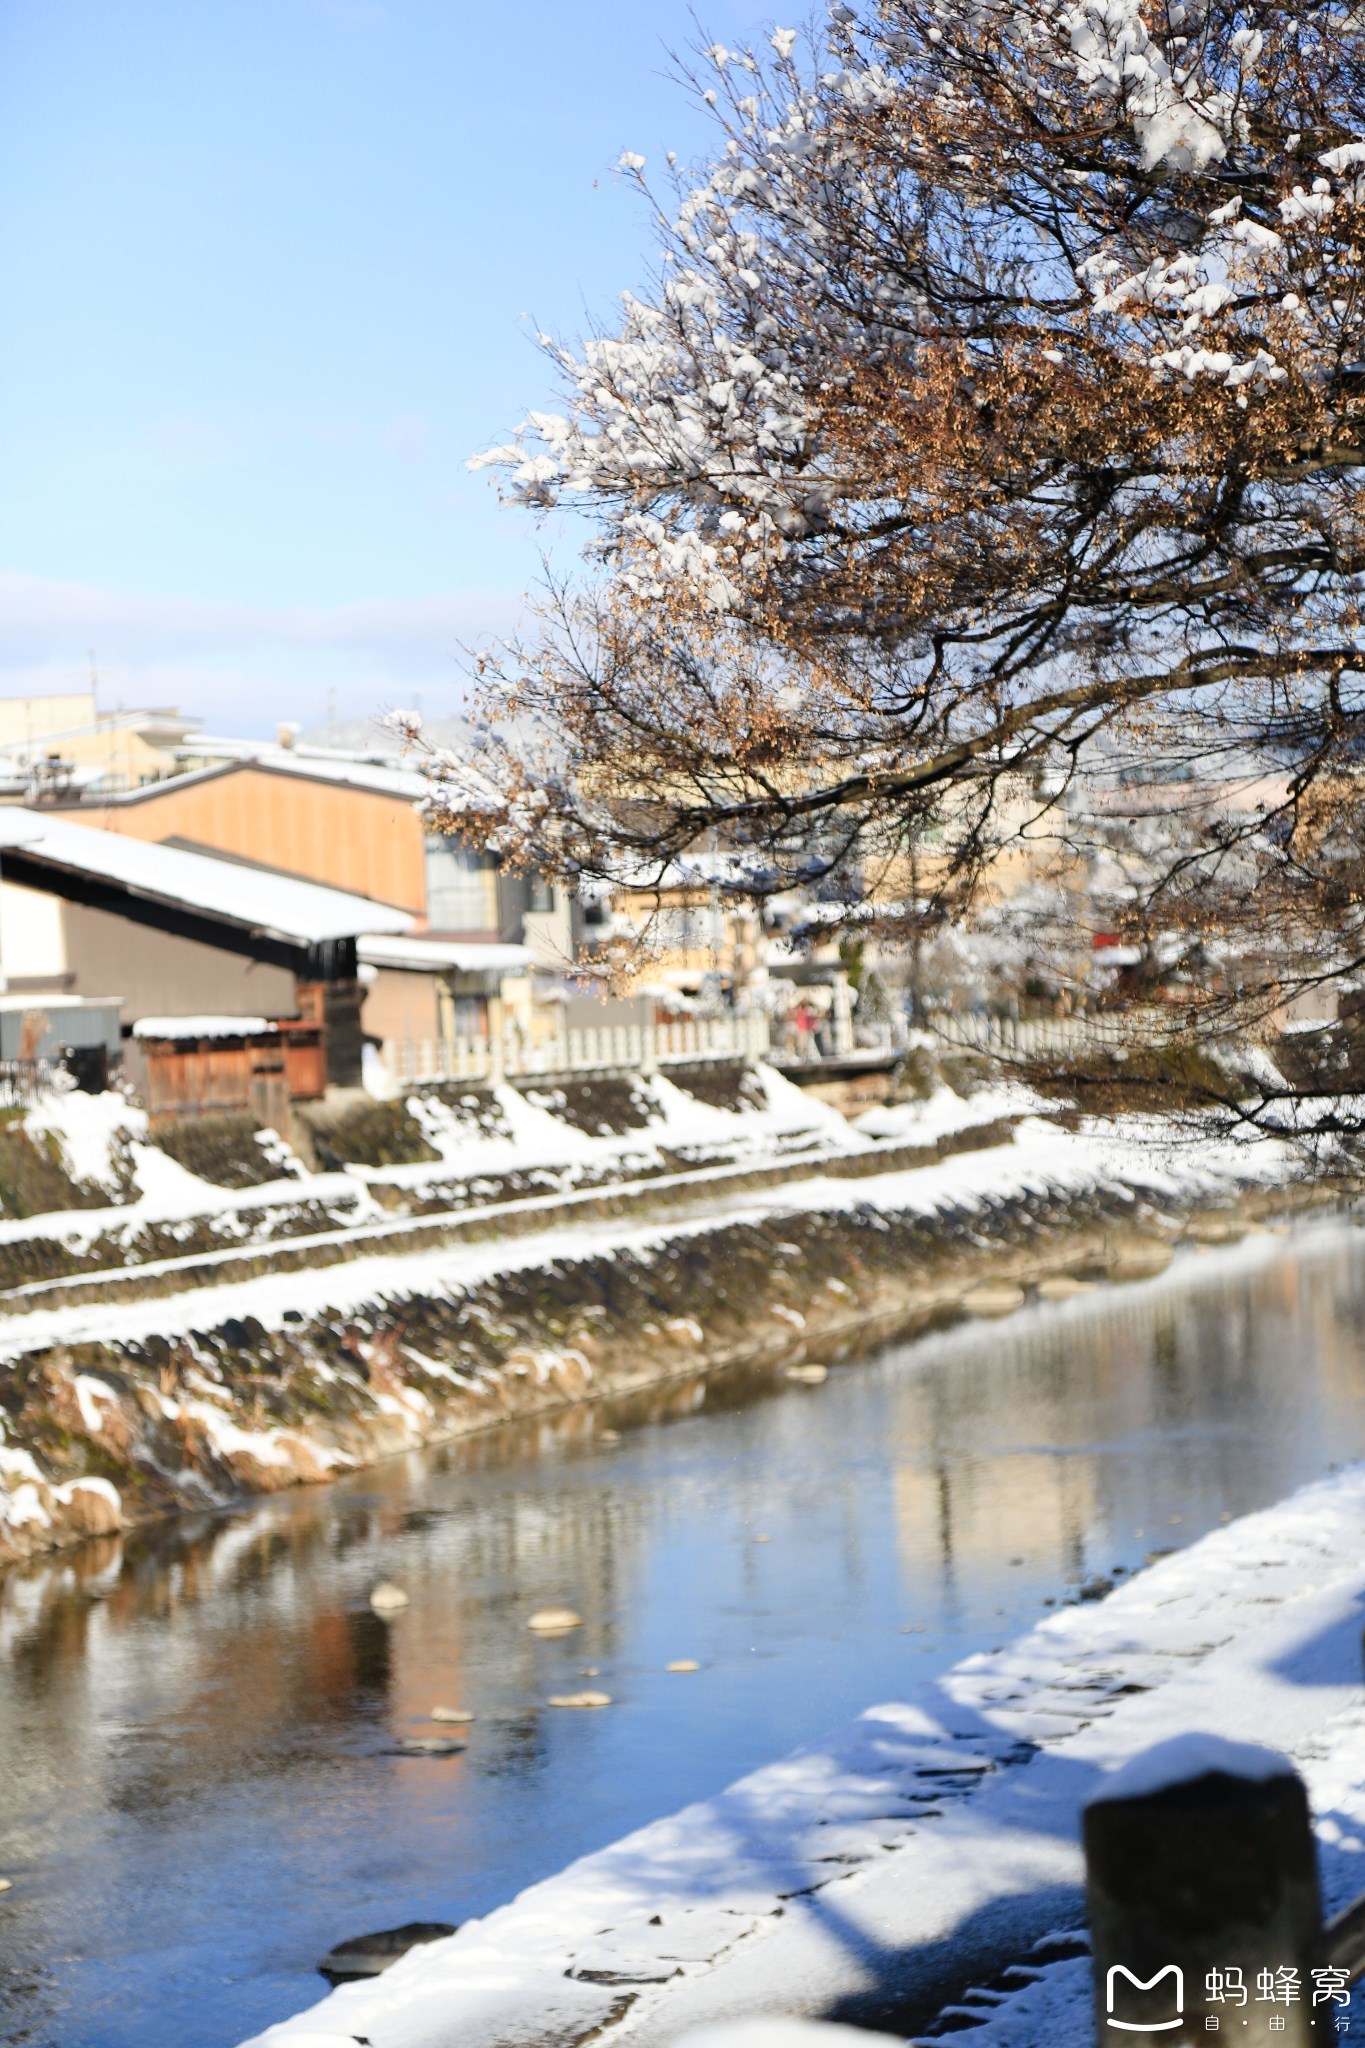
x=241 y=667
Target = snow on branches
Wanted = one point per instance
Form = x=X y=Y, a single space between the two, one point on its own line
x=996 y=412
x=1177 y=185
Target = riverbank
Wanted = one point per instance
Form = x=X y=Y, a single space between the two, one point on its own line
x=123 y=1404
x=931 y=1847
x=209 y=1711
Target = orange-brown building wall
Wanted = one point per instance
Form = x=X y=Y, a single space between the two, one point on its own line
x=353 y=838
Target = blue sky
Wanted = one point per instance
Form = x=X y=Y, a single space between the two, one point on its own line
x=267 y=271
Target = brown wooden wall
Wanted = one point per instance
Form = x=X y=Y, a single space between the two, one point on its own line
x=206 y=1077
x=355 y=839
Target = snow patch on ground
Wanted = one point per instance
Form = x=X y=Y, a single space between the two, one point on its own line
x=944 y=1112
x=90 y=1132
x=534 y=1139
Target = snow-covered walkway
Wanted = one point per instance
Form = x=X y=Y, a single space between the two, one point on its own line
x=932 y=1842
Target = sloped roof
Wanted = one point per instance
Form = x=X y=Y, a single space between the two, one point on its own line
x=247 y=899
x=465 y=956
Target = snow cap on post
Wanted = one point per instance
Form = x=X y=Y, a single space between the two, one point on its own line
x=1184 y=1758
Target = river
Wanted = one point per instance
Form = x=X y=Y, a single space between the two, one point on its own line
x=198 y=1725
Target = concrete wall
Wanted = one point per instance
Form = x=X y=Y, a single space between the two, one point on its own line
x=33 y=941
x=401 y=1006
x=549 y=933
x=158 y=975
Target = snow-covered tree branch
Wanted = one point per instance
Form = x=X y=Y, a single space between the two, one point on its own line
x=997 y=412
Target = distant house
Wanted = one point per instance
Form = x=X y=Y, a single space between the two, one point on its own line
x=53 y=746
x=176 y=934
x=500 y=944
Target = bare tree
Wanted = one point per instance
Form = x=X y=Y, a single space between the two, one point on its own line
x=988 y=444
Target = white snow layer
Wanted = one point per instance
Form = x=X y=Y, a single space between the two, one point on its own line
x=1040 y=1157
x=934 y=1836
x=201 y=1027
x=304 y=912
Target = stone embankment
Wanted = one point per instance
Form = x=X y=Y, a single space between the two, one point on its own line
x=193 y=1382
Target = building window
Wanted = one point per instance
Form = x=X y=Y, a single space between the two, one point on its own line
x=540 y=894
x=457 y=891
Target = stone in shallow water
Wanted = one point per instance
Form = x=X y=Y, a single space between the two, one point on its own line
x=996 y=1300
x=1139 y=1260
x=1062 y=1287
x=429 y=1745
x=579 y=1699
x=388 y=1599
x=683 y=1664
x=451 y=1714
x=554 y=1621
x=6 y=1884
x=369 y=1954
x=808 y=1375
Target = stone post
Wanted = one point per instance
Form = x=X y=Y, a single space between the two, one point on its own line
x=1205 y=1914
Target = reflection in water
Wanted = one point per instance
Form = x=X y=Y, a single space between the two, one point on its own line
x=200 y=1796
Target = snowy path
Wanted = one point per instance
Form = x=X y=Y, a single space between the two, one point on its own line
x=932 y=1841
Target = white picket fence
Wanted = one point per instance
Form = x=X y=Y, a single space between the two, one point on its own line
x=1032 y=1037
x=591 y=1049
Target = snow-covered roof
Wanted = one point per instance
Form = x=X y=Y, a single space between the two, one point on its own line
x=36 y=1000
x=385 y=778
x=279 y=906
x=439 y=956
x=221 y=757
x=201 y=1027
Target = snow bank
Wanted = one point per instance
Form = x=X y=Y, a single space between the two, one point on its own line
x=934 y=1837
x=944 y=1112
x=531 y=1137
x=90 y=1131
x=1040 y=1158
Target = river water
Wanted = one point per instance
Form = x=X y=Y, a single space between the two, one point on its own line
x=199 y=1792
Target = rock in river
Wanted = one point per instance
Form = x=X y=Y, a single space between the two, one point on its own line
x=554 y=1621
x=1062 y=1287
x=388 y=1599
x=368 y=1954
x=579 y=1699
x=451 y=1714
x=999 y=1299
x=429 y=1745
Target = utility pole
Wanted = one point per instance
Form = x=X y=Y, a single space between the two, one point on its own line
x=916 y=965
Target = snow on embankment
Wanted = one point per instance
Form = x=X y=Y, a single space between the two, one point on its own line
x=87 y=1186
x=200 y=1395
x=876 y=1874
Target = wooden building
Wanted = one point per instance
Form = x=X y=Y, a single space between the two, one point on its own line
x=183 y=935
x=494 y=944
